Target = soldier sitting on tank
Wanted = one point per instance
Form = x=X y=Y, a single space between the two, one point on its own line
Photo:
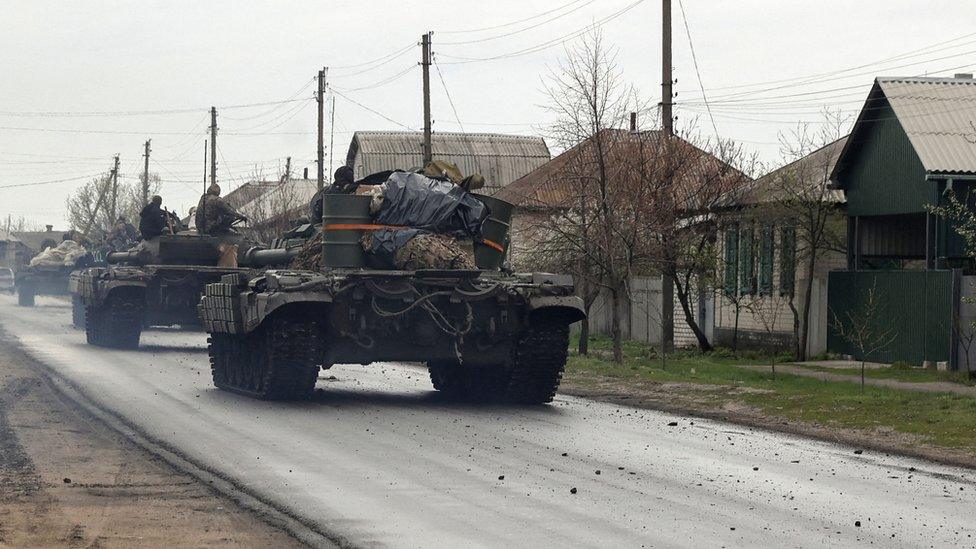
x=213 y=215
x=343 y=182
x=152 y=219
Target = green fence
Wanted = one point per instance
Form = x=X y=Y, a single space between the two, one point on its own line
x=914 y=312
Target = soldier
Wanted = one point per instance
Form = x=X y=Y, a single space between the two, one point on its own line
x=152 y=219
x=213 y=215
x=343 y=182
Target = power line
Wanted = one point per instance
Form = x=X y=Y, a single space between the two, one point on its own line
x=518 y=31
x=694 y=58
x=36 y=183
x=510 y=23
x=547 y=44
x=381 y=58
x=382 y=82
x=816 y=76
x=374 y=111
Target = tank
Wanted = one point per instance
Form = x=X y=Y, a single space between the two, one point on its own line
x=484 y=334
x=46 y=279
x=158 y=283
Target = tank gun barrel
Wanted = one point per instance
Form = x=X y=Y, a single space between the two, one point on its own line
x=259 y=257
x=130 y=256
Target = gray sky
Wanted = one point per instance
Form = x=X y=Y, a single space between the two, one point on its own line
x=62 y=61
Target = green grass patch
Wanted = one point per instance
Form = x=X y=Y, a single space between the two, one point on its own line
x=937 y=418
x=916 y=375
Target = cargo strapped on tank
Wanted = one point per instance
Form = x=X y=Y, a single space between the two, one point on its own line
x=372 y=227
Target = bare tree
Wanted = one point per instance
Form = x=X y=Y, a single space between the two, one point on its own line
x=598 y=229
x=769 y=310
x=87 y=208
x=863 y=327
x=802 y=196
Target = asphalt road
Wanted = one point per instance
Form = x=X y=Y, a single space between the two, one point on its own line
x=378 y=459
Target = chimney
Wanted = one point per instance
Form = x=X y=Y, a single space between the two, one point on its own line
x=49 y=227
x=306 y=174
x=633 y=121
x=964 y=76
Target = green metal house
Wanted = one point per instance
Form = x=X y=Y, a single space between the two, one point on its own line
x=914 y=141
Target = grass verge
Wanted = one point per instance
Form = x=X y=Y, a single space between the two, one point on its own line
x=719 y=383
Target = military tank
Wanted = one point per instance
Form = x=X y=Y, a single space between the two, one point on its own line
x=157 y=283
x=484 y=333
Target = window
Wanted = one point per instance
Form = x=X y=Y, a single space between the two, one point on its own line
x=747 y=278
x=766 y=261
x=787 y=260
x=731 y=259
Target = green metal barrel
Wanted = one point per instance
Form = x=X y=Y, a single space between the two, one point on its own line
x=342 y=248
x=496 y=231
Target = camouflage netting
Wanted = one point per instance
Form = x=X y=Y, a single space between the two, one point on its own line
x=310 y=256
x=431 y=251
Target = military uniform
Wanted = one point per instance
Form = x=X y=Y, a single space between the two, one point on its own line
x=213 y=215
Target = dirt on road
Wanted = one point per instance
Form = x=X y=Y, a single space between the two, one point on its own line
x=69 y=480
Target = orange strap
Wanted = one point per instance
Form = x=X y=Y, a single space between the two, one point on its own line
x=370 y=227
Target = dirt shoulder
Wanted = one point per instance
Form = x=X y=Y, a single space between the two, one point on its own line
x=736 y=405
x=67 y=479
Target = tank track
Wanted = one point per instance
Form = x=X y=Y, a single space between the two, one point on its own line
x=539 y=362
x=77 y=313
x=25 y=297
x=278 y=361
x=117 y=323
x=533 y=377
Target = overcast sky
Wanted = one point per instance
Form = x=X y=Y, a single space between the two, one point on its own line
x=62 y=61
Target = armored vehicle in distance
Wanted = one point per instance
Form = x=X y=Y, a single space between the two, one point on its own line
x=157 y=283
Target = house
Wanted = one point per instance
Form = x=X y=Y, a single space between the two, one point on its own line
x=13 y=252
x=763 y=254
x=912 y=146
x=37 y=241
x=555 y=187
x=500 y=158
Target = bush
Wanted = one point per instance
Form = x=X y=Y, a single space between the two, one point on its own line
x=723 y=352
x=902 y=365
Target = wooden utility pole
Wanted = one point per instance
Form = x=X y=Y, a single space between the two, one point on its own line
x=667 y=125
x=319 y=96
x=213 y=145
x=287 y=170
x=101 y=197
x=425 y=64
x=667 y=95
x=145 y=175
x=115 y=191
x=331 y=138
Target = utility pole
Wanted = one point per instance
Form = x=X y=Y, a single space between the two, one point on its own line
x=287 y=170
x=667 y=118
x=115 y=191
x=331 y=137
x=101 y=197
x=145 y=175
x=213 y=145
x=425 y=64
x=667 y=123
x=319 y=96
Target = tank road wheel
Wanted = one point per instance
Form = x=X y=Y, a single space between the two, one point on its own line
x=117 y=323
x=469 y=383
x=25 y=296
x=539 y=361
x=77 y=313
x=278 y=361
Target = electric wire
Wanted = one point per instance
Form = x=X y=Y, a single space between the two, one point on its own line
x=694 y=57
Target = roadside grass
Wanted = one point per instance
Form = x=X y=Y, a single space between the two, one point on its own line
x=915 y=375
x=936 y=418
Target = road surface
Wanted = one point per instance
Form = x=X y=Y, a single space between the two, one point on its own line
x=376 y=458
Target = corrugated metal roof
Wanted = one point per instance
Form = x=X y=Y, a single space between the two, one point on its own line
x=500 y=158
x=555 y=184
x=813 y=169
x=937 y=114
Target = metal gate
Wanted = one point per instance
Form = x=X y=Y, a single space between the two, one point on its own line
x=915 y=312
